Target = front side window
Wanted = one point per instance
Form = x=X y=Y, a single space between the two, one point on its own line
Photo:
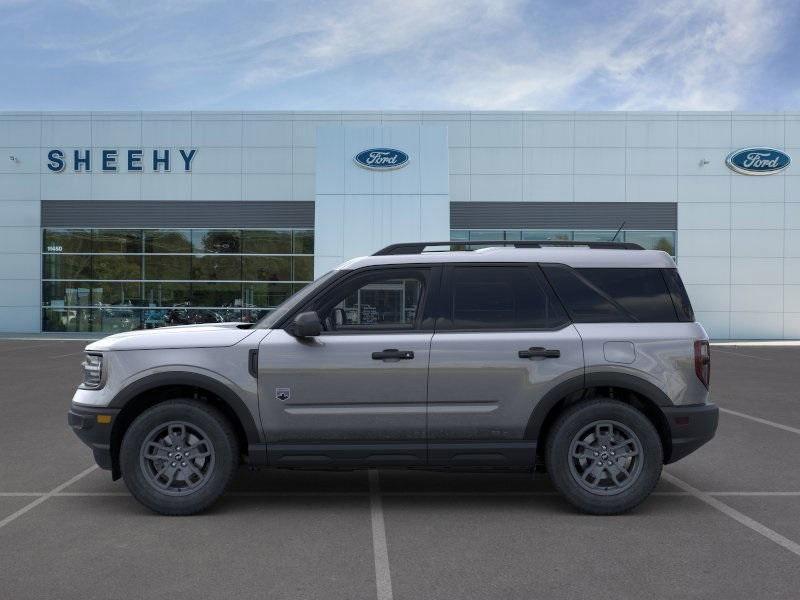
x=384 y=300
x=500 y=297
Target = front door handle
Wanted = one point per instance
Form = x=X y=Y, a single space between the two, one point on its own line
x=539 y=352
x=393 y=353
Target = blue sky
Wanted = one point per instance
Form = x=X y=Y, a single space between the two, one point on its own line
x=400 y=54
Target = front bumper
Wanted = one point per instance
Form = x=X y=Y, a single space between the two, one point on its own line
x=690 y=427
x=93 y=431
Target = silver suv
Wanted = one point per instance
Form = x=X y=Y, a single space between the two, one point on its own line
x=582 y=359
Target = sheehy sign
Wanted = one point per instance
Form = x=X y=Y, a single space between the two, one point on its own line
x=112 y=160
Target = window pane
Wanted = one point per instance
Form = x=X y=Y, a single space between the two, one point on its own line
x=502 y=298
x=67 y=240
x=216 y=294
x=219 y=267
x=267 y=242
x=642 y=292
x=168 y=267
x=167 y=240
x=548 y=234
x=67 y=266
x=596 y=236
x=586 y=304
x=113 y=320
x=187 y=315
x=67 y=319
x=117 y=267
x=653 y=240
x=303 y=268
x=267 y=268
x=304 y=241
x=679 y=296
x=482 y=235
x=266 y=295
x=378 y=301
x=216 y=240
x=167 y=294
x=459 y=235
x=117 y=240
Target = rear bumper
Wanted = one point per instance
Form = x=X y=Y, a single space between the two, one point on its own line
x=96 y=435
x=690 y=427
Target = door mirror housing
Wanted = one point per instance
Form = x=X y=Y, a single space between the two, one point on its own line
x=306 y=324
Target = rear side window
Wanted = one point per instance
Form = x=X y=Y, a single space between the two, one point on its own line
x=679 y=296
x=585 y=302
x=614 y=295
x=499 y=297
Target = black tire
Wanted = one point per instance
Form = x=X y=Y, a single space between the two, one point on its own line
x=210 y=474
x=618 y=419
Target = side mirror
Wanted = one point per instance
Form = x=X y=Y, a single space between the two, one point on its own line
x=306 y=324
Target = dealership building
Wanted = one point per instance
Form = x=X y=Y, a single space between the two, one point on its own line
x=111 y=221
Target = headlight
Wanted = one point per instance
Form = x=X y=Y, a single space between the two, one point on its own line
x=93 y=371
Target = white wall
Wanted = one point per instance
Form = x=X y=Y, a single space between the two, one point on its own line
x=738 y=239
x=359 y=211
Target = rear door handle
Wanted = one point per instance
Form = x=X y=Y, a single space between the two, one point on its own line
x=393 y=353
x=539 y=352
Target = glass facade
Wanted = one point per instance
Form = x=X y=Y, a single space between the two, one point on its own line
x=110 y=280
x=650 y=240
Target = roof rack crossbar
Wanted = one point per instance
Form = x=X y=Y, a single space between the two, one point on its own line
x=419 y=247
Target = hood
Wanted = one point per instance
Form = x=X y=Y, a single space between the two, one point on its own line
x=216 y=335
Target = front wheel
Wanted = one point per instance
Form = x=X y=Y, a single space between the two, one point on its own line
x=178 y=457
x=604 y=456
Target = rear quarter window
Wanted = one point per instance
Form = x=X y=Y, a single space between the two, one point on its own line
x=614 y=295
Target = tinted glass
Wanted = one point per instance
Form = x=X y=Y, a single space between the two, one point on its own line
x=117 y=267
x=117 y=240
x=216 y=267
x=679 y=296
x=304 y=241
x=216 y=240
x=267 y=242
x=267 y=268
x=653 y=240
x=502 y=298
x=168 y=240
x=216 y=294
x=547 y=235
x=167 y=294
x=642 y=292
x=168 y=267
x=75 y=266
x=67 y=240
x=585 y=303
x=266 y=294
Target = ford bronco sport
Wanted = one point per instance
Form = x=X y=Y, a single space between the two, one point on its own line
x=583 y=359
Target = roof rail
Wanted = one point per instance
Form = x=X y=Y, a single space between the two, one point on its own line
x=419 y=247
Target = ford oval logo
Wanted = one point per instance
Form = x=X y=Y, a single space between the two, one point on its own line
x=381 y=159
x=758 y=161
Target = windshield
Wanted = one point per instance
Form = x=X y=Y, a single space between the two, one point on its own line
x=293 y=301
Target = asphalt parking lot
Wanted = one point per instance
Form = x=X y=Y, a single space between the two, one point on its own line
x=724 y=522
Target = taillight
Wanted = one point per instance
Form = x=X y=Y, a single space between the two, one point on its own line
x=702 y=361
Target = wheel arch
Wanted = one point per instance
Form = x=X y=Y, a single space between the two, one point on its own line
x=630 y=389
x=159 y=387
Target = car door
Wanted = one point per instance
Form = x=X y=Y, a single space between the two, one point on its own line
x=356 y=393
x=503 y=340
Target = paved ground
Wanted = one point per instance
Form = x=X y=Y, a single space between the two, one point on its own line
x=724 y=523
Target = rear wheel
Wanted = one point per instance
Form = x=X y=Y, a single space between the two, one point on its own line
x=604 y=456
x=178 y=457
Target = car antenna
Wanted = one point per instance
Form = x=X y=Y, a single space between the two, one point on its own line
x=618 y=230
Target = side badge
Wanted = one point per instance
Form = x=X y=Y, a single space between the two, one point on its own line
x=283 y=394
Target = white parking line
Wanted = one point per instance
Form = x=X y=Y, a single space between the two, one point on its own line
x=383 y=578
x=44 y=497
x=768 y=533
x=760 y=420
